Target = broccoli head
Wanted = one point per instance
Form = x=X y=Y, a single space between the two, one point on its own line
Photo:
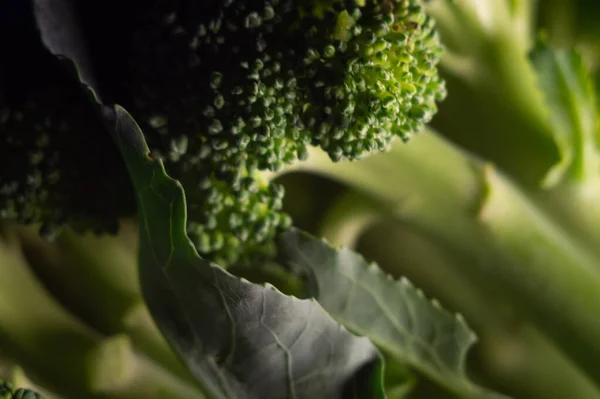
x=57 y=164
x=226 y=90
x=252 y=83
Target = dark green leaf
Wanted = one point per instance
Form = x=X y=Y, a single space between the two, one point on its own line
x=61 y=34
x=393 y=314
x=240 y=340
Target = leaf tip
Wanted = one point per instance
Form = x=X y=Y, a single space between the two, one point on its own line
x=406 y=282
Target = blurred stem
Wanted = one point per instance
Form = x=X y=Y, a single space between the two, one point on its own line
x=524 y=19
x=517 y=359
x=576 y=206
x=466 y=205
x=106 y=293
x=495 y=108
x=66 y=355
x=559 y=20
x=573 y=23
x=349 y=217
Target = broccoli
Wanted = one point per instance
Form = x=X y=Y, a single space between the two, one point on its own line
x=258 y=81
x=493 y=210
x=226 y=91
x=8 y=392
x=250 y=84
x=57 y=166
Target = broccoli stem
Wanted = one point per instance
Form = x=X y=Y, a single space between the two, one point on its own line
x=63 y=353
x=523 y=17
x=573 y=23
x=575 y=205
x=496 y=108
x=349 y=217
x=463 y=203
x=107 y=294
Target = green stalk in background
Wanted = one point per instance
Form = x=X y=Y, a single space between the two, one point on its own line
x=495 y=108
x=528 y=108
x=107 y=294
x=572 y=23
x=73 y=359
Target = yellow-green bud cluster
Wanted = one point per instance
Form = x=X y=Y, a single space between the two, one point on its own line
x=253 y=82
x=234 y=225
x=57 y=164
x=377 y=81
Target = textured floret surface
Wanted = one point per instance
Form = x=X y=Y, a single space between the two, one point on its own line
x=251 y=83
x=230 y=87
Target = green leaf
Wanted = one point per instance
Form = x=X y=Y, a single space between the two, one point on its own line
x=60 y=32
x=568 y=89
x=239 y=339
x=393 y=314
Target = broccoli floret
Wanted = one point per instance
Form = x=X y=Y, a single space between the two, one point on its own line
x=234 y=223
x=224 y=91
x=252 y=83
x=232 y=87
x=8 y=392
x=57 y=164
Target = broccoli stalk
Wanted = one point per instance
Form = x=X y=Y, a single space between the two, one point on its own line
x=527 y=109
x=107 y=294
x=511 y=354
x=66 y=353
x=496 y=109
